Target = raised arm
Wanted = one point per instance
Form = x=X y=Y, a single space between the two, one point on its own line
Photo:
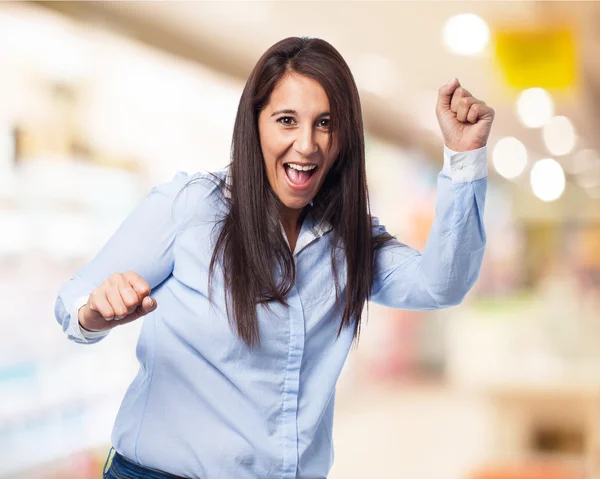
x=446 y=270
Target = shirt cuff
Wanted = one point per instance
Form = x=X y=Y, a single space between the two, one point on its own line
x=463 y=166
x=76 y=329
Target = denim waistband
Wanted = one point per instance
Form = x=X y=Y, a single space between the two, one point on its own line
x=128 y=469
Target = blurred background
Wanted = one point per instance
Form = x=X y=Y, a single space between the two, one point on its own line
x=99 y=101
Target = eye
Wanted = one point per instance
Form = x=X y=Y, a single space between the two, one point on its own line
x=286 y=120
x=324 y=122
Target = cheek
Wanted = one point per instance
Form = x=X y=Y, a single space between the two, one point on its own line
x=265 y=137
x=273 y=146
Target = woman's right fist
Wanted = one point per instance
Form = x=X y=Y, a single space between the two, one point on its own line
x=122 y=297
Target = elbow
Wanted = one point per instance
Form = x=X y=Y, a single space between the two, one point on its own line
x=454 y=296
x=457 y=290
x=451 y=299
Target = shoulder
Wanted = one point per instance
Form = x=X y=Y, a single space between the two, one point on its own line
x=193 y=195
x=202 y=183
x=377 y=228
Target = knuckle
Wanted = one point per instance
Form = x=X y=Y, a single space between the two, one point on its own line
x=131 y=300
x=131 y=275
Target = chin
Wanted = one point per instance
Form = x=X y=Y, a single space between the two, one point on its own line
x=295 y=203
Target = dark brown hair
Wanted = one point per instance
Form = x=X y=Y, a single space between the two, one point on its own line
x=250 y=245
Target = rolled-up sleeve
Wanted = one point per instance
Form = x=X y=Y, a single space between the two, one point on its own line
x=143 y=243
x=446 y=270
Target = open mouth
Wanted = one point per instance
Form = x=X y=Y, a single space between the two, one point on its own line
x=299 y=175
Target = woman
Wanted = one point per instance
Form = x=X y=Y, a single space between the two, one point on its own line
x=253 y=280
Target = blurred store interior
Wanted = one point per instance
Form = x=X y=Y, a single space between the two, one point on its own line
x=99 y=101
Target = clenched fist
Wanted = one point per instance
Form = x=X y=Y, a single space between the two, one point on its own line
x=122 y=297
x=465 y=121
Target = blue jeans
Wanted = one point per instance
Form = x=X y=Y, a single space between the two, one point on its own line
x=123 y=468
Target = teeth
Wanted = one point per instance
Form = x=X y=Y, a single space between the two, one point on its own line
x=301 y=168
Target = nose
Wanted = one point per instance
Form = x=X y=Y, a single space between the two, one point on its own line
x=305 y=142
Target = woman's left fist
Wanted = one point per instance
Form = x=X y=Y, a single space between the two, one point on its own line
x=465 y=121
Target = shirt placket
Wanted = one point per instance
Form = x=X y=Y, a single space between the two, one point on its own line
x=292 y=385
x=294 y=363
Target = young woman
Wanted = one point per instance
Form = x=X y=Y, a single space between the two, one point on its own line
x=253 y=280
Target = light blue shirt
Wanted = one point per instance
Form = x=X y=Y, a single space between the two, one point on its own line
x=205 y=406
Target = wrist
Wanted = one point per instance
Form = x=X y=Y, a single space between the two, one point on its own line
x=81 y=322
x=458 y=148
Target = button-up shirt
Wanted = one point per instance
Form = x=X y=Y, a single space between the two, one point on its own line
x=203 y=405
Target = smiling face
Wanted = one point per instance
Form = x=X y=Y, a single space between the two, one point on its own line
x=294 y=136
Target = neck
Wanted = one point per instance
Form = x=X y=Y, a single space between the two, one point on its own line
x=291 y=220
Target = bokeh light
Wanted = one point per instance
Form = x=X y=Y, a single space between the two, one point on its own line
x=509 y=157
x=559 y=135
x=535 y=107
x=547 y=179
x=466 y=34
x=586 y=168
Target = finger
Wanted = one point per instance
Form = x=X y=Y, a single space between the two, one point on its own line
x=99 y=302
x=141 y=286
x=148 y=305
x=486 y=112
x=464 y=107
x=129 y=296
x=474 y=112
x=458 y=95
x=118 y=305
x=480 y=111
x=445 y=95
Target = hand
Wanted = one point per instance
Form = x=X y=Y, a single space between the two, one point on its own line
x=122 y=298
x=464 y=120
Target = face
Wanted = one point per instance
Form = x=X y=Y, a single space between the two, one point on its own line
x=294 y=135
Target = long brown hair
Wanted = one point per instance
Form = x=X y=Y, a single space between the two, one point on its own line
x=250 y=246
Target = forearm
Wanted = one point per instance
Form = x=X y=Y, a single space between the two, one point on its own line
x=443 y=273
x=453 y=256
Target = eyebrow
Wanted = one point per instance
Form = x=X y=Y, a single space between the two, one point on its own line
x=294 y=112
